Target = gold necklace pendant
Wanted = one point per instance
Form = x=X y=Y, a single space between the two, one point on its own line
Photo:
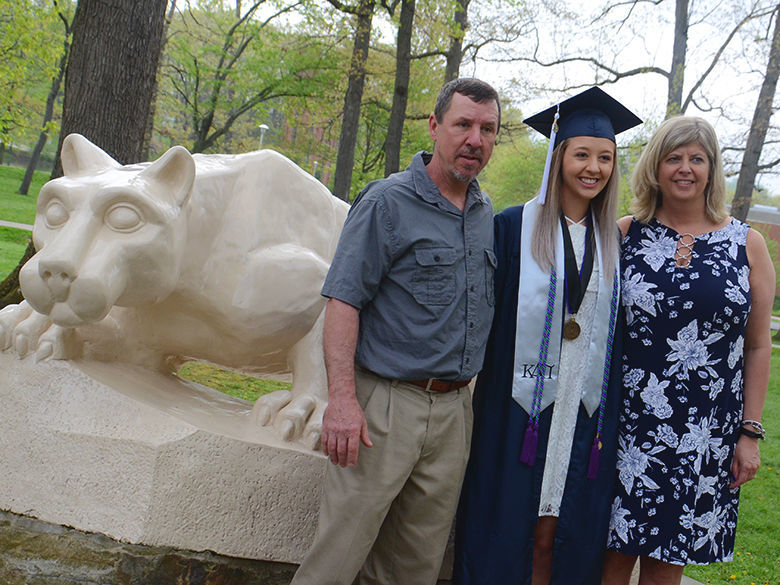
x=571 y=329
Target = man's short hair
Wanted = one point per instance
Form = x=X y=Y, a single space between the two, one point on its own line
x=474 y=89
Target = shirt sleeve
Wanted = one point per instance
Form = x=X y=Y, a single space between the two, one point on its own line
x=364 y=253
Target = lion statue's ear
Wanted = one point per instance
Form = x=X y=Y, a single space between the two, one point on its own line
x=172 y=174
x=80 y=157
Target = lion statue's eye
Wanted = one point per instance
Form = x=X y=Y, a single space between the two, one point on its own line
x=55 y=214
x=123 y=217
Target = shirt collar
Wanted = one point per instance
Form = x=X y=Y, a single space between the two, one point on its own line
x=428 y=191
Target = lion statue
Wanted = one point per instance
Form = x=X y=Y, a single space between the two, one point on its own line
x=216 y=258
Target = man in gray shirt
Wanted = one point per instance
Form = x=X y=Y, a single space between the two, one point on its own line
x=410 y=304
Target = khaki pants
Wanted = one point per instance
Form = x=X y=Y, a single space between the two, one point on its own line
x=389 y=517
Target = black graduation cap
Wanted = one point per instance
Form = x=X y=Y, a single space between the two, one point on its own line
x=590 y=113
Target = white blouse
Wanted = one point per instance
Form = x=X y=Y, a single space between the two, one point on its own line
x=574 y=353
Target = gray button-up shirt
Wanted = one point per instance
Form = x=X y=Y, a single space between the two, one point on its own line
x=421 y=273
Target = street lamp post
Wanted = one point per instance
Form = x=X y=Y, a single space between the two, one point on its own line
x=263 y=128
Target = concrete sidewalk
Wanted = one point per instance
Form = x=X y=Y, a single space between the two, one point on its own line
x=13 y=224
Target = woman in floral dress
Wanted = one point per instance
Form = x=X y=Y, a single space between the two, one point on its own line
x=698 y=288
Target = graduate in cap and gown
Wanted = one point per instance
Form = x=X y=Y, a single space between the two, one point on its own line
x=536 y=498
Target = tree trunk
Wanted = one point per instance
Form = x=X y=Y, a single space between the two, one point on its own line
x=403 y=60
x=108 y=84
x=758 y=129
x=153 y=106
x=677 y=72
x=455 y=52
x=110 y=76
x=24 y=188
x=345 y=158
x=10 y=293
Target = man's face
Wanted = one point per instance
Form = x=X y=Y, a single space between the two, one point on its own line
x=465 y=137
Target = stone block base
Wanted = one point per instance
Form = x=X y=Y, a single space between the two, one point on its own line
x=147 y=458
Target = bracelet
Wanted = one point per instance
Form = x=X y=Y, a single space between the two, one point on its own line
x=753 y=423
x=751 y=434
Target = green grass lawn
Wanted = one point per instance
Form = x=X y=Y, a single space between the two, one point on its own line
x=13 y=243
x=229 y=382
x=19 y=209
x=757 y=552
x=15 y=207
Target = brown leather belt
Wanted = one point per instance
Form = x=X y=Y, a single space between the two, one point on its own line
x=438 y=385
x=429 y=384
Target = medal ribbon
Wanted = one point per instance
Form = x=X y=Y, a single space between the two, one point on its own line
x=576 y=281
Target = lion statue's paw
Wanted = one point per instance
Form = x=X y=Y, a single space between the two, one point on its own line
x=293 y=417
x=30 y=332
x=10 y=317
x=58 y=343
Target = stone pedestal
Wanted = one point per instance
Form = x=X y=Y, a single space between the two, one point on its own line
x=150 y=459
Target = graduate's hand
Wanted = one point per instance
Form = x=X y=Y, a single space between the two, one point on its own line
x=343 y=429
x=746 y=461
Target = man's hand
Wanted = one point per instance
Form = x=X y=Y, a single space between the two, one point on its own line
x=343 y=424
x=343 y=429
x=746 y=461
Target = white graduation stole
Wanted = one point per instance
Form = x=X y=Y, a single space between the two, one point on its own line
x=532 y=301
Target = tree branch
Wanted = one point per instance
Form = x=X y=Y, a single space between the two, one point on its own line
x=769 y=165
x=343 y=7
x=631 y=3
x=718 y=53
x=615 y=74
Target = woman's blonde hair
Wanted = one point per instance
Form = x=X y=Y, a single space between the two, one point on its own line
x=672 y=134
x=604 y=207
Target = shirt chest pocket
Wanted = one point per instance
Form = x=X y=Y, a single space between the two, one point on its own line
x=433 y=281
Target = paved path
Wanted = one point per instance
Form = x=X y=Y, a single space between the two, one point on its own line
x=19 y=226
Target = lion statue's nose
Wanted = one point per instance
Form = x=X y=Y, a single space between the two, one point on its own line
x=58 y=276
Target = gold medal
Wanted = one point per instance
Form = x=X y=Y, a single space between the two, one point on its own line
x=571 y=329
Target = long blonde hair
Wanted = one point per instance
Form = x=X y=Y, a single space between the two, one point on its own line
x=671 y=134
x=604 y=207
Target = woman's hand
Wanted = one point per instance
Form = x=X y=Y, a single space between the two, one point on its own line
x=747 y=459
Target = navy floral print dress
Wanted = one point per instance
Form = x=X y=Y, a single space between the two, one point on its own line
x=682 y=401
